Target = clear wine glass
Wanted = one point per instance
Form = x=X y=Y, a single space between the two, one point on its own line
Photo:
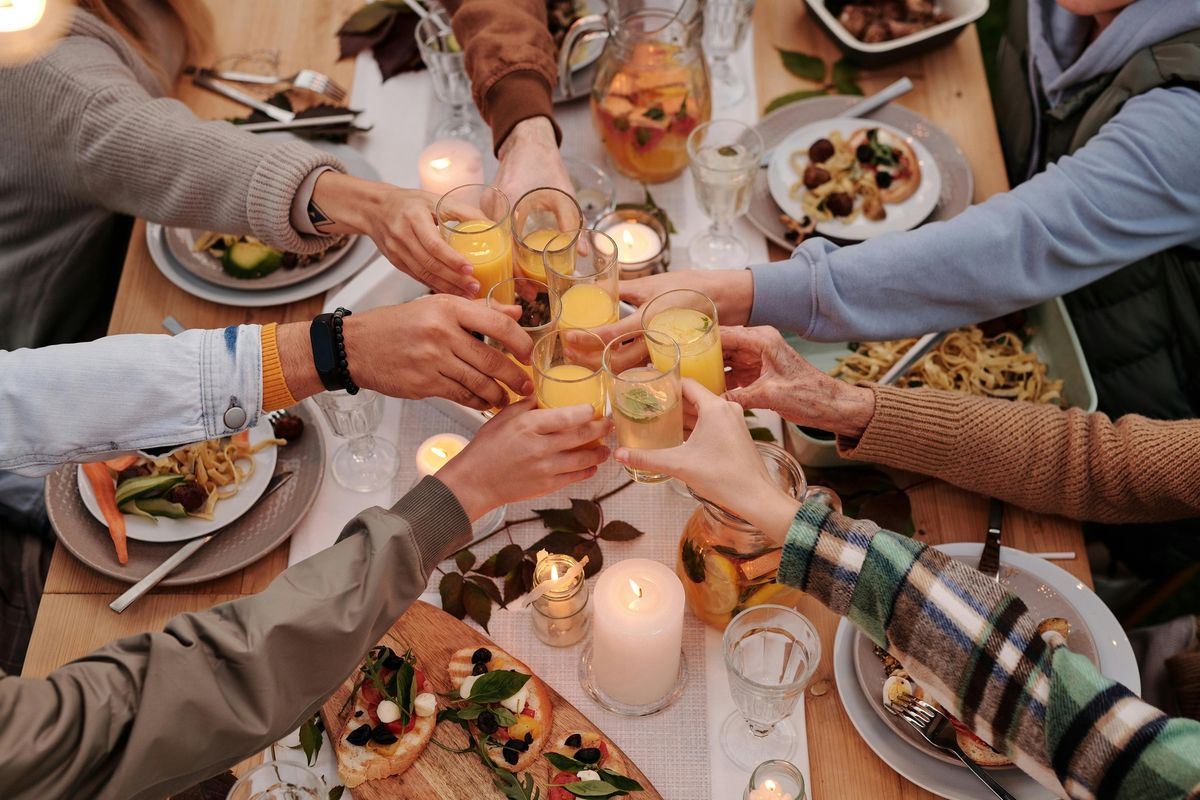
x=725 y=25
x=771 y=653
x=365 y=463
x=444 y=58
x=724 y=158
x=278 y=780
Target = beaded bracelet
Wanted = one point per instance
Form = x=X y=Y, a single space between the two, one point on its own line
x=343 y=363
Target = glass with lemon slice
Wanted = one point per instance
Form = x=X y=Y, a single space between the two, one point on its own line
x=726 y=564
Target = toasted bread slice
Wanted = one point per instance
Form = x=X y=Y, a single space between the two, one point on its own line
x=538 y=702
x=609 y=758
x=907 y=175
x=978 y=751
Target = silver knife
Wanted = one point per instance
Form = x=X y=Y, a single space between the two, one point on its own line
x=330 y=121
x=200 y=78
x=989 y=561
x=911 y=357
x=184 y=553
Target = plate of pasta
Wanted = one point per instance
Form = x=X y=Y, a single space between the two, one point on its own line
x=854 y=178
x=191 y=491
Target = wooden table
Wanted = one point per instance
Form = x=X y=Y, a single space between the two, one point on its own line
x=950 y=89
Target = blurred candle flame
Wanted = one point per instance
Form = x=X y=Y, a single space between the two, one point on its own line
x=20 y=15
x=637 y=590
x=440 y=163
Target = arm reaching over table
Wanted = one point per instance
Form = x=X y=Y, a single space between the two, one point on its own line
x=974 y=647
x=150 y=715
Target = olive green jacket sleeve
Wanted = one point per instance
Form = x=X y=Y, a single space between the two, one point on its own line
x=152 y=714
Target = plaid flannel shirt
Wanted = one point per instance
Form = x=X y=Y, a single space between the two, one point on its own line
x=976 y=650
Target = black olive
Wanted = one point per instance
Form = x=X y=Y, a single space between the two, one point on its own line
x=393 y=661
x=517 y=744
x=511 y=756
x=574 y=740
x=360 y=735
x=864 y=153
x=528 y=737
x=136 y=471
x=479 y=669
x=821 y=150
x=188 y=494
x=883 y=179
x=382 y=735
x=815 y=176
x=289 y=427
x=841 y=204
x=588 y=755
x=486 y=722
x=481 y=656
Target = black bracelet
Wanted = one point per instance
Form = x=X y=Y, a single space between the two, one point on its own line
x=339 y=342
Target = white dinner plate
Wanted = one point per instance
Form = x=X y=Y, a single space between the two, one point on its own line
x=225 y=512
x=900 y=216
x=1112 y=650
x=206 y=267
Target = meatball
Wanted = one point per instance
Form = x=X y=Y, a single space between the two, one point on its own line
x=814 y=176
x=288 y=427
x=821 y=150
x=136 y=471
x=188 y=494
x=840 y=204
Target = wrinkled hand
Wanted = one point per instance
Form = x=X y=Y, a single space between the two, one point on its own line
x=767 y=373
x=525 y=452
x=721 y=464
x=425 y=349
x=529 y=159
x=731 y=290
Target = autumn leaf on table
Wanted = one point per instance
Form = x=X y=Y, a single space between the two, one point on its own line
x=388 y=28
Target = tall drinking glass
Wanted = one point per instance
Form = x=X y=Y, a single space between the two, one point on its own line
x=568 y=370
x=594 y=190
x=538 y=218
x=364 y=463
x=725 y=25
x=771 y=653
x=724 y=158
x=445 y=60
x=690 y=319
x=584 y=277
x=278 y=780
x=475 y=221
x=539 y=314
x=645 y=394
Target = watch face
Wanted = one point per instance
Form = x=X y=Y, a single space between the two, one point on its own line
x=325 y=352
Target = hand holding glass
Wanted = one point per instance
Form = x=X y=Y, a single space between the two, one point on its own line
x=645 y=393
x=585 y=277
x=475 y=221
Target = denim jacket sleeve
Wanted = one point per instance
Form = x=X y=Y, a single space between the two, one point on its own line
x=88 y=401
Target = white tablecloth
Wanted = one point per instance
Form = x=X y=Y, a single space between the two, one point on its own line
x=666 y=747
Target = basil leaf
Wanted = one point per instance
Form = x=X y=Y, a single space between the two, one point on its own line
x=566 y=763
x=310 y=740
x=504 y=717
x=802 y=65
x=492 y=687
x=620 y=781
x=471 y=712
x=404 y=686
x=592 y=789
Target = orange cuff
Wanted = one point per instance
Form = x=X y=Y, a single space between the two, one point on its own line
x=275 y=392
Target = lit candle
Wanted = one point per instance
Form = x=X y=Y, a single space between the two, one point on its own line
x=435 y=451
x=769 y=790
x=447 y=163
x=637 y=631
x=559 y=599
x=775 y=780
x=636 y=242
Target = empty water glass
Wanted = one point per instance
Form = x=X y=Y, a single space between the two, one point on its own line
x=771 y=653
x=364 y=463
x=725 y=25
x=445 y=61
x=278 y=780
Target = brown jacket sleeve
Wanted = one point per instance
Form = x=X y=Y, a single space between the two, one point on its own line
x=152 y=714
x=510 y=58
x=1040 y=457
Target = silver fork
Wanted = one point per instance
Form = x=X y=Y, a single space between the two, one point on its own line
x=309 y=79
x=936 y=729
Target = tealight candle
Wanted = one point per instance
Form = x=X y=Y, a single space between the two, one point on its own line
x=436 y=451
x=643 y=247
x=448 y=163
x=775 y=780
x=635 y=242
x=637 y=632
x=560 y=617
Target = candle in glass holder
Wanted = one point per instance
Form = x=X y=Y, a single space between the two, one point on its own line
x=560 y=614
x=635 y=241
x=775 y=780
x=637 y=632
x=447 y=163
x=642 y=242
x=437 y=450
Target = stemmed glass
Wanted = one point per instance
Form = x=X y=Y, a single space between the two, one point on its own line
x=444 y=59
x=277 y=780
x=771 y=653
x=725 y=25
x=364 y=463
x=724 y=157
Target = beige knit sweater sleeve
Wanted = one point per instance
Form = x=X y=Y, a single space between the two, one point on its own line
x=106 y=139
x=1039 y=457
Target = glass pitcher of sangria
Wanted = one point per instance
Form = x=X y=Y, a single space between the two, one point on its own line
x=726 y=564
x=651 y=88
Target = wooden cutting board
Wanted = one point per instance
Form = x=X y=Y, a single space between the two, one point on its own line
x=434 y=636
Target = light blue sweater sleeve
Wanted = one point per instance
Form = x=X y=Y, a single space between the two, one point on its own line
x=89 y=401
x=1131 y=191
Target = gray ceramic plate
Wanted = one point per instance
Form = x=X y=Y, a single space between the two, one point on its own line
x=180 y=241
x=958 y=185
x=257 y=532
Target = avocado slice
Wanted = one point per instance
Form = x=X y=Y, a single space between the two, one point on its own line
x=161 y=507
x=248 y=260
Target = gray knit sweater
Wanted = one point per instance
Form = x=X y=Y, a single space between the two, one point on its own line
x=88 y=136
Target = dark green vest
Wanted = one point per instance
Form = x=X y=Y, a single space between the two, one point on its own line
x=1140 y=326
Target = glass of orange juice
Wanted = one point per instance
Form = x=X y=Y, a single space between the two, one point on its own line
x=690 y=318
x=584 y=275
x=539 y=314
x=475 y=220
x=568 y=370
x=539 y=217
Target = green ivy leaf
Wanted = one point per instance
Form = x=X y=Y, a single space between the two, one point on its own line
x=762 y=435
x=845 y=78
x=618 y=531
x=562 y=542
x=311 y=739
x=489 y=588
x=802 y=65
x=588 y=513
x=595 y=556
x=451 y=589
x=336 y=792
x=465 y=560
x=560 y=519
x=518 y=582
x=793 y=97
x=478 y=604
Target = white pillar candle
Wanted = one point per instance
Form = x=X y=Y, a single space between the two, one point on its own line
x=435 y=451
x=637 y=631
x=636 y=242
x=448 y=163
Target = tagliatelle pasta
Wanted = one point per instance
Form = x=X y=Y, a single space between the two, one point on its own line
x=965 y=361
x=847 y=176
x=218 y=466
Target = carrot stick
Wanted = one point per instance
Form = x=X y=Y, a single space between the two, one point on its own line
x=106 y=495
x=242 y=439
x=121 y=462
